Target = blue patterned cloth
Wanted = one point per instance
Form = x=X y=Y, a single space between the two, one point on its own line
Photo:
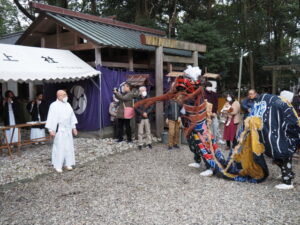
x=281 y=131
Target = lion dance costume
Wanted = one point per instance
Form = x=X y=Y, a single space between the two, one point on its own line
x=272 y=128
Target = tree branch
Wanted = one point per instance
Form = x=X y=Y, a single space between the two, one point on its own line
x=23 y=10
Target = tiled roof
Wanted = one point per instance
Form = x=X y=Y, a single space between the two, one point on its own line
x=108 y=35
x=10 y=38
x=108 y=21
x=105 y=31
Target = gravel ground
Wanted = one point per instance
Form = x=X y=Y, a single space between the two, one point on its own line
x=36 y=159
x=135 y=187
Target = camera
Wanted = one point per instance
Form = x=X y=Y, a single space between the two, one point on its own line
x=115 y=89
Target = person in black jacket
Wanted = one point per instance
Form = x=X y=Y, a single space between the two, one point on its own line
x=38 y=111
x=142 y=119
x=11 y=115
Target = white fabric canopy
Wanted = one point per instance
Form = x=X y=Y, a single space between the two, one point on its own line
x=22 y=63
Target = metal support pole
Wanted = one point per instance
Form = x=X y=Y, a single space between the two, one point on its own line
x=240 y=75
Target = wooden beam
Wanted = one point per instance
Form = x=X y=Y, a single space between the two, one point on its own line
x=38 y=34
x=171 y=43
x=125 y=65
x=159 y=119
x=177 y=59
x=136 y=66
x=98 y=60
x=130 y=60
x=283 y=67
x=177 y=68
x=115 y=64
x=195 y=58
x=80 y=47
x=93 y=64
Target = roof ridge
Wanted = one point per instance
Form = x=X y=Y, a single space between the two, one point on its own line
x=68 y=12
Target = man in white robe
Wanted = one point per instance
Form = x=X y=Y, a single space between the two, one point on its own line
x=38 y=111
x=61 y=122
x=11 y=116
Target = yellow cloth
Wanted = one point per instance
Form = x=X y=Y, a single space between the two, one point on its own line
x=250 y=145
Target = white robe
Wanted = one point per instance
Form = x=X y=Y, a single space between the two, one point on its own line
x=11 y=123
x=36 y=133
x=62 y=115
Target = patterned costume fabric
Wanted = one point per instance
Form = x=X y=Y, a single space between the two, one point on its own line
x=281 y=126
x=273 y=128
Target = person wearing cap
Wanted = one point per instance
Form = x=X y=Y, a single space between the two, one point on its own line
x=142 y=119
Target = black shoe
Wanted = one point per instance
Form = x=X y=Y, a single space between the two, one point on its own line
x=150 y=146
x=169 y=148
x=176 y=146
x=140 y=147
x=120 y=140
x=129 y=141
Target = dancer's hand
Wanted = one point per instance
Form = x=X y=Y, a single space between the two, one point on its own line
x=75 y=132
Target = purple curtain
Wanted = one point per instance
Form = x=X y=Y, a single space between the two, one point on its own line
x=84 y=97
x=96 y=114
x=111 y=78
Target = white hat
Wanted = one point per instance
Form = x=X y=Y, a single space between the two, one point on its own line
x=287 y=95
x=193 y=72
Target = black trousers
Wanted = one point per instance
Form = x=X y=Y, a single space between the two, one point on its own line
x=287 y=175
x=115 y=128
x=121 y=123
x=231 y=144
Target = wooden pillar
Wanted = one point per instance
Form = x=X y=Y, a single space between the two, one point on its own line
x=58 y=36
x=31 y=90
x=43 y=42
x=195 y=58
x=170 y=67
x=75 y=40
x=274 y=81
x=130 y=60
x=159 y=90
x=98 y=60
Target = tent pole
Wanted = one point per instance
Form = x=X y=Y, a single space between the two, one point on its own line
x=101 y=128
x=100 y=108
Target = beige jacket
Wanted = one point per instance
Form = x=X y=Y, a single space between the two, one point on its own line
x=126 y=99
x=236 y=108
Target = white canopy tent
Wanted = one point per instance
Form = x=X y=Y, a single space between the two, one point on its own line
x=22 y=63
x=38 y=65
